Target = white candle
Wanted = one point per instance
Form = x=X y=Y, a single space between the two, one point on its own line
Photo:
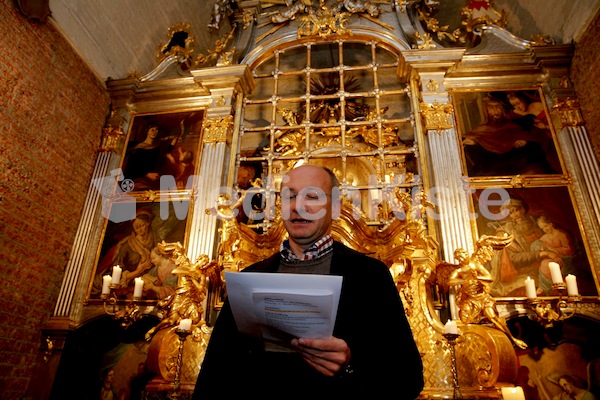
x=555 y=272
x=451 y=327
x=452 y=304
x=572 y=289
x=513 y=393
x=116 y=275
x=106 y=279
x=185 y=324
x=530 y=288
x=139 y=285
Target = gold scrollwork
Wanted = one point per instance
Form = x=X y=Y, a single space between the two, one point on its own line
x=322 y=20
x=472 y=16
x=324 y=23
x=424 y=41
x=219 y=52
x=437 y=116
x=112 y=137
x=569 y=112
x=216 y=129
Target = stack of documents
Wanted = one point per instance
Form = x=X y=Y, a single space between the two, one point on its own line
x=279 y=306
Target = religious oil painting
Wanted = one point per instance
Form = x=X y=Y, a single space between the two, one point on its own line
x=561 y=362
x=545 y=228
x=105 y=362
x=162 y=145
x=133 y=245
x=505 y=133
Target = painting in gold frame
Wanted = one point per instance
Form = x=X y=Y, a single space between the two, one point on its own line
x=545 y=229
x=505 y=133
x=160 y=145
x=131 y=244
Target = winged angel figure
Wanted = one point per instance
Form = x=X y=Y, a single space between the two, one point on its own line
x=187 y=300
x=473 y=300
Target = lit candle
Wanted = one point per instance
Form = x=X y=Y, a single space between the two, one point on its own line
x=530 y=288
x=572 y=289
x=139 y=285
x=555 y=272
x=116 y=275
x=185 y=324
x=513 y=393
x=106 y=279
x=451 y=327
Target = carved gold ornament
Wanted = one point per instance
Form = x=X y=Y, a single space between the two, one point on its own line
x=316 y=18
x=217 y=129
x=324 y=22
x=437 y=116
x=220 y=52
x=476 y=13
x=112 y=138
x=569 y=112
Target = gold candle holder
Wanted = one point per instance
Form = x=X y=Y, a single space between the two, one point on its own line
x=451 y=339
x=182 y=334
x=548 y=310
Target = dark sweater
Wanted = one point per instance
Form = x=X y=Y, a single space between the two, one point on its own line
x=370 y=318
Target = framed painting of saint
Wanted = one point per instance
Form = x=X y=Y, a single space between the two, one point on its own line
x=132 y=243
x=505 y=133
x=545 y=229
x=159 y=145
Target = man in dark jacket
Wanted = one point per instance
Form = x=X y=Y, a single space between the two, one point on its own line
x=372 y=352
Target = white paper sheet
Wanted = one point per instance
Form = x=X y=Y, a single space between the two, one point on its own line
x=278 y=306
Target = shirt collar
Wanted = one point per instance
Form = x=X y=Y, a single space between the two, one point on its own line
x=315 y=250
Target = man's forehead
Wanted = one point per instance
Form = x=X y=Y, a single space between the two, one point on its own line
x=306 y=189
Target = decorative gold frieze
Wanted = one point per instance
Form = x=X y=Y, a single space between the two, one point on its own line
x=437 y=116
x=320 y=19
x=216 y=129
x=569 y=112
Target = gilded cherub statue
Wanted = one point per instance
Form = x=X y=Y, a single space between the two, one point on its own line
x=473 y=299
x=186 y=301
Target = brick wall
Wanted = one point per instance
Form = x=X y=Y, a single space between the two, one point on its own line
x=52 y=109
x=585 y=74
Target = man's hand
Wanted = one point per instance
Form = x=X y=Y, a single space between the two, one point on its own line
x=328 y=356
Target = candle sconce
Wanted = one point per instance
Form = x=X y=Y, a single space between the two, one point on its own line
x=131 y=311
x=547 y=311
x=126 y=316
